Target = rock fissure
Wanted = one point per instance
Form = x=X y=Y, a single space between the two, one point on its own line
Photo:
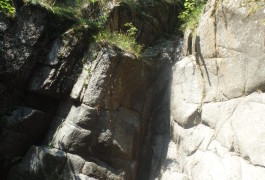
x=186 y=109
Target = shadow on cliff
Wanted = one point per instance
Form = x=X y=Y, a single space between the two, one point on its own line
x=157 y=131
x=199 y=57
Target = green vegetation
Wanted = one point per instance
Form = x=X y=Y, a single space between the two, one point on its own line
x=49 y=146
x=60 y=9
x=90 y=12
x=7 y=7
x=125 y=41
x=95 y=13
x=191 y=14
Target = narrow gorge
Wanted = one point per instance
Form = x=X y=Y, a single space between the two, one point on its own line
x=77 y=105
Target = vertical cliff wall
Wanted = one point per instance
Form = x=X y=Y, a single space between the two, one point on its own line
x=71 y=108
x=75 y=109
x=217 y=99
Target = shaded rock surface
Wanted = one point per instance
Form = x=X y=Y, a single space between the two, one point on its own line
x=74 y=109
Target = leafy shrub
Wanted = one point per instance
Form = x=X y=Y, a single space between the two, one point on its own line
x=125 y=41
x=7 y=7
x=191 y=14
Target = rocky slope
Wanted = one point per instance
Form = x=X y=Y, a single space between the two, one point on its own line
x=75 y=109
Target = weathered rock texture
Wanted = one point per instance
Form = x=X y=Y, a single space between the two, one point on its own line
x=217 y=100
x=74 y=109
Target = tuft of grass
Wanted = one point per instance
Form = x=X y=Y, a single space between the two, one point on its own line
x=76 y=11
x=7 y=7
x=125 y=41
x=60 y=9
x=191 y=15
x=122 y=41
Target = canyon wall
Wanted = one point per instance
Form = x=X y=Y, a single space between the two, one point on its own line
x=217 y=100
x=190 y=108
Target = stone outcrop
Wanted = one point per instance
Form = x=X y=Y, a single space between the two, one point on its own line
x=187 y=109
x=75 y=109
x=217 y=99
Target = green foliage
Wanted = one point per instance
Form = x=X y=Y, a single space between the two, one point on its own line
x=101 y=2
x=131 y=29
x=79 y=10
x=93 y=1
x=125 y=41
x=189 y=6
x=7 y=7
x=60 y=9
x=49 y=146
x=191 y=14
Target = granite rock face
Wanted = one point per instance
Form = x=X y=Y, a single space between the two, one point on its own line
x=217 y=99
x=75 y=109
x=71 y=108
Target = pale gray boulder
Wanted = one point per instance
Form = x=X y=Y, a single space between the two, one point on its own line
x=222 y=83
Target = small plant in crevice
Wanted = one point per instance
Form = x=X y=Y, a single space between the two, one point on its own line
x=131 y=29
x=191 y=14
x=125 y=41
x=7 y=7
x=49 y=146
